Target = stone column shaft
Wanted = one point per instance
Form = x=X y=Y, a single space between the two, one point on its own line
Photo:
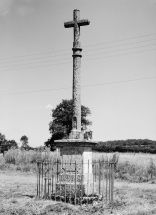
x=76 y=119
x=76 y=73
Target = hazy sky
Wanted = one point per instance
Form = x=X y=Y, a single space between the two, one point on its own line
x=36 y=55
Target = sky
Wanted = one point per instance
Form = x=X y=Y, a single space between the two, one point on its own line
x=118 y=67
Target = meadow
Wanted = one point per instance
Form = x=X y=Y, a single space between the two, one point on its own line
x=133 y=158
x=134 y=188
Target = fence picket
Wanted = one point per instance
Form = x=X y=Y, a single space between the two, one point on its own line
x=52 y=181
x=87 y=182
x=81 y=180
x=70 y=183
x=75 y=182
x=99 y=176
x=37 y=178
x=103 y=182
x=106 y=180
x=65 y=182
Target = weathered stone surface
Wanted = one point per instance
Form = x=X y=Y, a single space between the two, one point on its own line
x=76 y=150
x=76 y=23
x=75 y=143
x=71 y=190
x=71 y=151
x=70 y=178
x=75 y=134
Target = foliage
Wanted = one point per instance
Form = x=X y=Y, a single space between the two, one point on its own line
x=151 y=169
x=2 y=138
x=2 y=142
x=2 y=163
x=11 y=143
x=132 y=173
x=5 y=144
x=130 y=145
x=61 y=124
x=24 y=142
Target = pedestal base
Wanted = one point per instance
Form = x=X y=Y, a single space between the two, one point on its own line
x=75 y=134
x=70 y=190
x=77 y=158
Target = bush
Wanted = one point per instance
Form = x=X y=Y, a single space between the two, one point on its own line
x=151 y=169
x=135 y=173
x=11 y=156
x=2 y=163
x=133 y=145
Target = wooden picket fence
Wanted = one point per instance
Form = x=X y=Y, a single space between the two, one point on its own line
x=63 y=181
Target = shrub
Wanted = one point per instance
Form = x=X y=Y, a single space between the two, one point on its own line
x=2 y=163
x=11 y=155
x=25 y=167
x=115 y=159
x=151 y=169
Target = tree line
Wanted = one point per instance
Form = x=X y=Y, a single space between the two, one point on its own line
x=5 y=144
x=130 y=145
x=61 y=126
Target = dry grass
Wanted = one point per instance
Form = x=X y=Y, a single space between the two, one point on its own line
x=18 y=190
x=134 y=158
x=129 y=166
x=132 y=167
x=17 y=156
x=22 y=160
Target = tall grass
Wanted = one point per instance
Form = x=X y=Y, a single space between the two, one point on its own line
x=17 y=156
x=26 y=160
x=2 y=162
x=132 y=167
x=133 y=158
x=128 y=166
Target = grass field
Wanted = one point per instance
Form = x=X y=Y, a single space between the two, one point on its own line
x=18 y=196
x=134 y=158
x=18 y=189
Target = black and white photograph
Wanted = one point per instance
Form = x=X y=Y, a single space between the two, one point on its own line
x=78 y=107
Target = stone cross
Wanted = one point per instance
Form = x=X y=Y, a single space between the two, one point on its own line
x=76 y=23
x=76 y=148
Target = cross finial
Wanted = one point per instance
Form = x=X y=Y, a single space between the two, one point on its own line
x=76 y=23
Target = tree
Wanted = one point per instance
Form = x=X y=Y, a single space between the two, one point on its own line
x=12 y=143
x=24 y=142
x=2 y=143
x=2 y=138
x=61 y=124
x=5 y=144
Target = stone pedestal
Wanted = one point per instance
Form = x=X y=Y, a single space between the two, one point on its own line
x=76 y=134
x=77 y=163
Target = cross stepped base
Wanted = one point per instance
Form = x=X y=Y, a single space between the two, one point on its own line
x=75 y=134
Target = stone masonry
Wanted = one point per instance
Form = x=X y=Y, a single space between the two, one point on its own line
x=76 y=149
x=76 y=23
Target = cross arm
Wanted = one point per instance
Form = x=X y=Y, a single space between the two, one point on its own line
x=69 y=24
x=83 y=22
